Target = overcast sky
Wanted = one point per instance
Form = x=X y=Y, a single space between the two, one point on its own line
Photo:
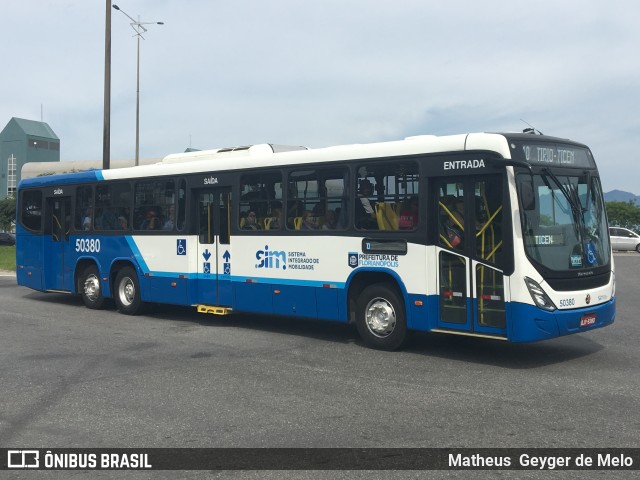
x=328 y=72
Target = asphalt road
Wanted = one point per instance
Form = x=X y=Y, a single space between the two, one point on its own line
x=72 y=377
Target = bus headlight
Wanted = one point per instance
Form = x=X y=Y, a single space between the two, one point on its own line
x=539 y=297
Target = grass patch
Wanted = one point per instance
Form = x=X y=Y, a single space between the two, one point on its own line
x=8 y=258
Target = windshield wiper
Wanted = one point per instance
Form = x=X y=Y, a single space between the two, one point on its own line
x=588 y=196
x=574 y=203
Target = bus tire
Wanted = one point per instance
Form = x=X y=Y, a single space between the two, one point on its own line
x=126 y=292
x=90 y=288
x=380 y=317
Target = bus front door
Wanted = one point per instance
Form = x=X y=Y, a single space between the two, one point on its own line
x=470 y=255
x=57 y=274
x=214 y=242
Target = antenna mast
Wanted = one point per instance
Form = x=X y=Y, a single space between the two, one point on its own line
x=532 y=129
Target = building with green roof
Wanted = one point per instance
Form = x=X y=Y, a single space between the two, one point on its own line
x=23 y=141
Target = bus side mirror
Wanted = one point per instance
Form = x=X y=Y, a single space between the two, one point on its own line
x=527 y=196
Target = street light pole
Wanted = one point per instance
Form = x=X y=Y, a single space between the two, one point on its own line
x=138 y=101
x=106 y=125
x=139 y=28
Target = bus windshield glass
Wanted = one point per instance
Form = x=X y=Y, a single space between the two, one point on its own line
x=567 y=229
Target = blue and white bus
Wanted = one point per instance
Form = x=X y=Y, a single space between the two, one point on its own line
x=502 y=236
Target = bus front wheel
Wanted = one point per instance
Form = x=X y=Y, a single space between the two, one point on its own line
x=127 y=292
x=90 y=289
x=380 y=317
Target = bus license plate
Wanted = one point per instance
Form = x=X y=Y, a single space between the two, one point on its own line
x=588 y=319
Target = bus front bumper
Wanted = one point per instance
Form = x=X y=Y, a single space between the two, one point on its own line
x=529 y=323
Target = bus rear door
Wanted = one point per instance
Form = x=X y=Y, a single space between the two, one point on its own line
x=58 y=273
x=214 y=242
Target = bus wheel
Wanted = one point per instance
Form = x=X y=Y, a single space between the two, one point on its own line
x=380 y=317
x=127 y=292
x=90 y=289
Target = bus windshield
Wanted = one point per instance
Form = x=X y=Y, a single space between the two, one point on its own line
x=567 y=229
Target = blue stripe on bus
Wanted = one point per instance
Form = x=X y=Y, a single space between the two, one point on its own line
x=286 y=281
x=62 y=179
x=236 y=278
x=136 y=253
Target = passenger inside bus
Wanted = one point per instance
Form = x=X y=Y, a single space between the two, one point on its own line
x=87 y=220
x=151 y=222
x=458 y=210
x=454 y=222
x=365 y=214
x=330 y=220
x=171 y=218
x=106 y=219
x=309 y=221
x=251 y=221
x=409 y=214
x=294 y=210
x=276 y=220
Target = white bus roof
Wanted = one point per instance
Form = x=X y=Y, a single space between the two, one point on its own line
x=266 y=155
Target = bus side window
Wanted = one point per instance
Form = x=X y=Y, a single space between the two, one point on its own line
x=112 y=200
x=388 y=196
x=153 y=200
x=31 y=209
x=182 y=200
x=262 y=195
x=84 y=208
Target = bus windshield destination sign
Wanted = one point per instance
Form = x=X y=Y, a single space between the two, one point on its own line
x=556 y=155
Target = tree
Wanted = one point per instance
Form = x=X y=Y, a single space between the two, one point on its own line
x=7 y=213
x=624 y=214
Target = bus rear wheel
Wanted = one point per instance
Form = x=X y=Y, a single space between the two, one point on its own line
x=380 y=317
x=90 y=288
x=126 y=292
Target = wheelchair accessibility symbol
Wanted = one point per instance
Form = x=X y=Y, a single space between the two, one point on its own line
x=181 y=247
x=206 y=267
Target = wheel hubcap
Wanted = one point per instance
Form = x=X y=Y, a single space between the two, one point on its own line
x=127 y=291
x=380 y=317
x=92 y=288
